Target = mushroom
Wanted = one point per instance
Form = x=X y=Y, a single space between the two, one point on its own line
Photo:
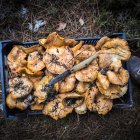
x=109 y=60
x=89 y=73
x=90 y=97
x=84 y=52
x=67 y=84
x=35 y=80
x=35 y=62
x=101 y=42
x=97 y=102
x=26 y=71
x=33 y=48
x=21 y=104
x=71 y=42
x=82 y=109
x=16 y=54
x=53 y=39
x=117 y=46
x=20 y=87
x=112 y=53
x=113 y=92
x=103 y=80
x=16 y=59
x=120 y=78
x=56 y=109
x=103 y=105
x=77 y=47
x=41 y=92
x=58 y=59
x=82 y=87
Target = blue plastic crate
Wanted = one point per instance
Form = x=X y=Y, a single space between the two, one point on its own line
x=125 y=102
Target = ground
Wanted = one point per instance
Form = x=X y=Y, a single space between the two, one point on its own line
x=100 y=18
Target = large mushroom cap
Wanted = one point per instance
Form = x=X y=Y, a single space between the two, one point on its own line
x=58 y=60
x=56 y=109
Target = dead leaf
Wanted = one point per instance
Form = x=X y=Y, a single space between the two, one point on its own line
x=81 y=21
x=62 y=26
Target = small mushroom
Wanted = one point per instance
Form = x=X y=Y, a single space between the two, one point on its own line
x=103 y=80
x=53 y=39
x=35 y=80
x=82 y=87
x=35 y=63
x=120 y=78
x=77 y=47
x=101 y=42
x=103 y=105
x=71 y=42
x=82 y=109
x=20 y=87
x=21 y=104
x=90 y=98
x=67 y=84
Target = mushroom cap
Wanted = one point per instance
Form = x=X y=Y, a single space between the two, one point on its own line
x=35 y=62
x=20 y=87
x=58 y=60
x=55 y=109
x=103 y=105
x=53 y=39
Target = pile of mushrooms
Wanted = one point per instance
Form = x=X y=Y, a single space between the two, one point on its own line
x=92 y=88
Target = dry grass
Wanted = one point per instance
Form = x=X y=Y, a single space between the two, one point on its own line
x=117 y=124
